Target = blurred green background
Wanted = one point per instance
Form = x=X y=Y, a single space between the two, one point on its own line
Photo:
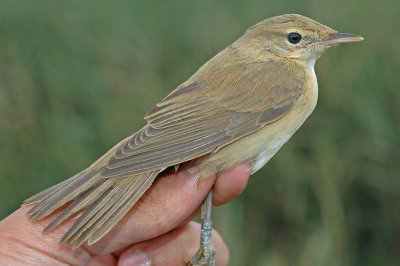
x=78 y=76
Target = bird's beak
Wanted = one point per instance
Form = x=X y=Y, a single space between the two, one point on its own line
x=339 y=38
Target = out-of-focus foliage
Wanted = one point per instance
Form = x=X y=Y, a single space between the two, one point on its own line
x=78 y=76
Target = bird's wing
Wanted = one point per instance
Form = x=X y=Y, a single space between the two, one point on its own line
x=202 y=116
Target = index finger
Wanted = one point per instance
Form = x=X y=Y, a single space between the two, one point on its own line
x=169 y=202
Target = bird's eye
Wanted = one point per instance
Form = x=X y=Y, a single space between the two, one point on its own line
x=294 y=37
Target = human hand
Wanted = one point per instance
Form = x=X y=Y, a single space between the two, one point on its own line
x=156 y=231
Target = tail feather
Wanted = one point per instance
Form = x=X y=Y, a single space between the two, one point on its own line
x=64 y=194
x=81 y=202
x=90 y=222
x=48 y=192
x=94 y=220
x=117 y=213
x=89 y=216
x=98 y=203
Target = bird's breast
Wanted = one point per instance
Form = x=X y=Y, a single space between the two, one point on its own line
x=260 y=146
x=273 y=136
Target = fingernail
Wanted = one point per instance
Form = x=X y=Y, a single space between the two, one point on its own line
x=135 y=257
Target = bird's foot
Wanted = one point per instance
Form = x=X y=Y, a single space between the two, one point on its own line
x=205 y=256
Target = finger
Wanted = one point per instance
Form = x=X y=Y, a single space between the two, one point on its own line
x=231 y=183
x=104 y=260
x=173 y=248
x=228 y=185
x=172 y=201
x=169 y=202
x=19 y=233
x=166 y=204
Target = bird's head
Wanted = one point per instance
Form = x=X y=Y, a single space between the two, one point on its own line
x=295 y=36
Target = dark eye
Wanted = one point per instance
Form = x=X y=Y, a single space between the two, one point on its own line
x=294 y=37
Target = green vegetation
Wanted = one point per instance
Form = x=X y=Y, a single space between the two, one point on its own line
x=78 y=76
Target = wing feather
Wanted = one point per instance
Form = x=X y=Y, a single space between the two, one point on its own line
x=195 y=119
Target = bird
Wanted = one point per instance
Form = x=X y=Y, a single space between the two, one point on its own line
x=240 y=106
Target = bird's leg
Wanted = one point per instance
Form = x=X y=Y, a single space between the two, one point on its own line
x=206 y=253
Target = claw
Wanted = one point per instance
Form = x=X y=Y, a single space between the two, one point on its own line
x=205 y=256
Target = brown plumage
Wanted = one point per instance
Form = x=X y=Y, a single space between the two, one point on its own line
x=242 y=105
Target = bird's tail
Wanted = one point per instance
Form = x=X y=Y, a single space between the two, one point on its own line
x=97 y=202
